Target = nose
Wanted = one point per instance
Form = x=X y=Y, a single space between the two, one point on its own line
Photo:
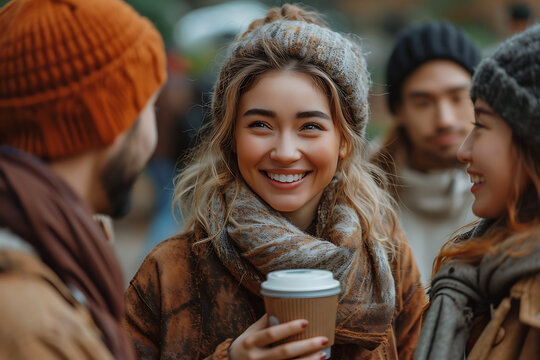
x=286 y=149
x=465 y=150
x=445 y=114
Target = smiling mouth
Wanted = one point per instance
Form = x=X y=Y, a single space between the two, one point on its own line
x=475 y=179
x=282 y=178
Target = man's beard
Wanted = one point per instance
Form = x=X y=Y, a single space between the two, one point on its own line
x=118 y=178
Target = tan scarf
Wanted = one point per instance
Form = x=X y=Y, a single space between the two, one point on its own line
x=258 y=240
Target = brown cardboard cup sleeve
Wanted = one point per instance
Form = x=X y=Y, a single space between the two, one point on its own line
x=310 y=294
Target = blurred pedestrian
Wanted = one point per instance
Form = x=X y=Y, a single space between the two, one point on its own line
x=485 y=297
x=78 y=83
x=428 y=76
x=280 y=180
x=520 y=17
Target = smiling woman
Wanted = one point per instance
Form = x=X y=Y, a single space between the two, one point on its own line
x=279 y=181
x=484 y=294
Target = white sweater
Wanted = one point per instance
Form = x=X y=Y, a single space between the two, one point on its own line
x=432 y=206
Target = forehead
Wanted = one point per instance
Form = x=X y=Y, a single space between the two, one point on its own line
x=284 y=87
x=436 y=76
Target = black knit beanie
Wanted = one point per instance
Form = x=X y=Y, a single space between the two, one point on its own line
x=418 y=44
x=509 y=81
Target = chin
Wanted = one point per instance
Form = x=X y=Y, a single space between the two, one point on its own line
x=286 y=208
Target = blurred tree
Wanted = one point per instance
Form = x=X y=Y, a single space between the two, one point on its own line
x=163 y=13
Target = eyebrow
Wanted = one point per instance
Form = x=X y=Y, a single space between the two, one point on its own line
x=483 y=110
x=261 y=112
x=453 y=89
x=299 y=115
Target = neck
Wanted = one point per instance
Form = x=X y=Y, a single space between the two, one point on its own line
x=303 y=217
x=79 y=172
x=301 y=222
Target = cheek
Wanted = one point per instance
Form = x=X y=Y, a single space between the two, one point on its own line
x=148 y=135
x=325 y=154
x=248 y=151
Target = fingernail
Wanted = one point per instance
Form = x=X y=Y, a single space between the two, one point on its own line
x=324 y=342
x=304 y=324
x=322 y=355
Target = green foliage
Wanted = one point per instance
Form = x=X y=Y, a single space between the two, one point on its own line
x=163 y=13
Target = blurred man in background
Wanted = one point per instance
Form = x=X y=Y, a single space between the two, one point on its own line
x=78 y=83
x=428 y=76
x=520 y=17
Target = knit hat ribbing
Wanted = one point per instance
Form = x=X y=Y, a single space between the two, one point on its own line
x=509 y=81
x=418 y=44
x=74 y=74
x=339 y=57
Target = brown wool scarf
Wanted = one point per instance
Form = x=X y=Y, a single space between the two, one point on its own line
x=259 y=239
x=42 y=210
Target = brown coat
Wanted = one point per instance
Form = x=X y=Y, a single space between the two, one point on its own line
x=514 y=329
x=183 y=303
x=40 y=318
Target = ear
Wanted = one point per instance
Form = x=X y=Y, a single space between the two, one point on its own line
x=343 y=149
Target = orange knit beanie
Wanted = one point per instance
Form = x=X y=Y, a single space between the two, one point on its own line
x=74 y=74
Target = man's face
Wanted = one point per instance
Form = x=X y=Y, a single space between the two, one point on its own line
x=126 y=160
x=436 y=112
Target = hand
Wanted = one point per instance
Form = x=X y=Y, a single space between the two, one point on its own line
x=254 y=343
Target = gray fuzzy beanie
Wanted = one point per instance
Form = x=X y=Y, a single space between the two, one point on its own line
x=509 y=81
x=338 y=56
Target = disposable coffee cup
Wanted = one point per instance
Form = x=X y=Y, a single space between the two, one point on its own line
x=303 y=294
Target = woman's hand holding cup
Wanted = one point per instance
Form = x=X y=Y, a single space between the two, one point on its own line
x=256 y=342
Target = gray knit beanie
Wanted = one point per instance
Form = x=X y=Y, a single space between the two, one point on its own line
x=420 y=43
x=509 y=81
x=338 y=56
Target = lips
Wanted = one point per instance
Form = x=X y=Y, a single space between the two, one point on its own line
x=476 y=178
x=285 y=178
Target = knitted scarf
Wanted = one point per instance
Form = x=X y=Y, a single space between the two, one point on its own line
x=459 y=290
x=257 y=239
x=43 y=211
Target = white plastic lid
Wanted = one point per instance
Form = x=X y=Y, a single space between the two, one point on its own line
x=300 y=283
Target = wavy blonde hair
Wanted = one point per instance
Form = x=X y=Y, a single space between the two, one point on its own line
x=212 y=165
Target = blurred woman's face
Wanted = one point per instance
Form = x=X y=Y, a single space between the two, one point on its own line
x=491 y=156
x=286 y=143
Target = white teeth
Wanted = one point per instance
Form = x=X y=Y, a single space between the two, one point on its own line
x=477 y=179
x=285 y=178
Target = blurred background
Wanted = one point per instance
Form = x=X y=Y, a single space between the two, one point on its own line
x=196 y=34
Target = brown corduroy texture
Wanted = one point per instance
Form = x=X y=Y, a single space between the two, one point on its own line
x=74 y=74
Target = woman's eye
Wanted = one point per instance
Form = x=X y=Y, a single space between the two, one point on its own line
x=258 y=124
x=312 y=126
x=478 y=125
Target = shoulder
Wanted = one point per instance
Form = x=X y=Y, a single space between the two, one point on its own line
x=528 y=292
x=39 y=314
x=168 y=267
x=172 y=250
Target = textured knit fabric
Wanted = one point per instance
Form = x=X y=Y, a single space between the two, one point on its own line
x=509 y=81
x=258 y=240
x=74 y=74
x=421 y=43
x=341 y=58
x=461 y=291
x=432 y=205
x=184 y=304
x=42 y=210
